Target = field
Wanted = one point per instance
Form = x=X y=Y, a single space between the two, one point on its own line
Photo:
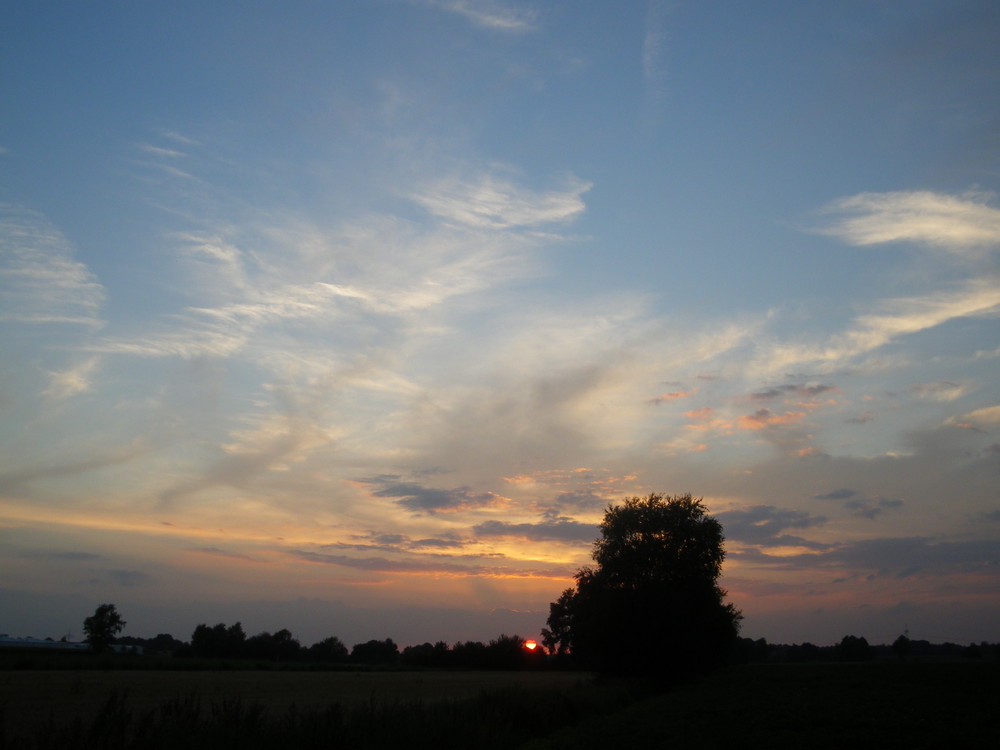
x=884 y=705
x=30 y=698
x=775 y=706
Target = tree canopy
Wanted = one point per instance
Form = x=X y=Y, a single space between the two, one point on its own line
x=653 y=603
x=101 y=627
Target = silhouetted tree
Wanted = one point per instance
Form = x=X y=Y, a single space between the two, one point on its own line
x=852 y=648
x=469 y=655
x=901 y=647
x=556 y=637
x=973 y=651
x=329 y=650
x=218 y=641
x=375 y=652
x=417 y=656
x=280 y=646
x=164 y=643
x=652 y=604
x=749 y=650
x=803 y=652
x=101 y=627
x=506 y=652
x=427 y=655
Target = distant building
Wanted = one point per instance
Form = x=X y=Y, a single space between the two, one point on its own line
x=7 y=641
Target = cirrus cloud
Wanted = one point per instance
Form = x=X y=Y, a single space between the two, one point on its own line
x=965 y=225
x=40 y=279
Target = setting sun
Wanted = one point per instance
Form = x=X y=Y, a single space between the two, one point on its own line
x=530 y=645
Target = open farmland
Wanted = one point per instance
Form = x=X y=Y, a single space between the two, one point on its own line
x=815 y=705
x=31 y=698
x=934 y=704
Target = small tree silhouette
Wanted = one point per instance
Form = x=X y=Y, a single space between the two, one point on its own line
x=102 y=627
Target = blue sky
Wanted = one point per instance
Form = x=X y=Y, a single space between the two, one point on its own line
x=352 y=318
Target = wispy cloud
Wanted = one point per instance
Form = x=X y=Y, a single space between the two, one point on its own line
x=672 y=396
x=767 y=524
x=871 y=508
x=559 y=529
x=269 y=446
x=895 y=318
x=160 y=151
x=17 y=480
x=40 y=281
x=495 y=203
x=416 y=497
x=985 y=417
x=217 y=552
x=491 y=14
x=72 y=381
x=380 y=271
x=942 y=390
x=793 y=389
x=858 y=505
x=843 y=493
x=654 y=43
x=965 y=224
x=765 y=418
x=899 y=557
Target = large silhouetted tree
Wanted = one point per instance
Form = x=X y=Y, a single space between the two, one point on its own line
x=652 y=605
x=101 y=627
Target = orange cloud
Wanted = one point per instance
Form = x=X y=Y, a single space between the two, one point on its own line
x=705 y=420
x=706 y=412
x=763 y=418
x=519 y=479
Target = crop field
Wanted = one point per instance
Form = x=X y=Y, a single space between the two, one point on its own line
x=31 y=699
x=775 y=706
x=884 y=705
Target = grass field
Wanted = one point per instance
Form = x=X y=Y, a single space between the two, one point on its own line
x=946 y=705
x=32 y=699
x=883 y=705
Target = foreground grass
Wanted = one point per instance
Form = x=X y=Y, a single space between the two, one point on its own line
x=883 y=705
x=880 y=705
x=32 y=698
x=249 y=710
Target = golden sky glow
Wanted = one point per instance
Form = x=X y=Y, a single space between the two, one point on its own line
x=361 y=337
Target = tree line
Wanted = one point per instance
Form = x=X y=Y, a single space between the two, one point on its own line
x=223 y=641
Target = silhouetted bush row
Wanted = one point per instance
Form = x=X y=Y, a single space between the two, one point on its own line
x=231 y=643
x=854 y=648
x=507 y=652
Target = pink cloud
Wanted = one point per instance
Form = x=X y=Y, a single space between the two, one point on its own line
x=763 y=418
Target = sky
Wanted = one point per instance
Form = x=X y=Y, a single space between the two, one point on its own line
x=353 y=317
